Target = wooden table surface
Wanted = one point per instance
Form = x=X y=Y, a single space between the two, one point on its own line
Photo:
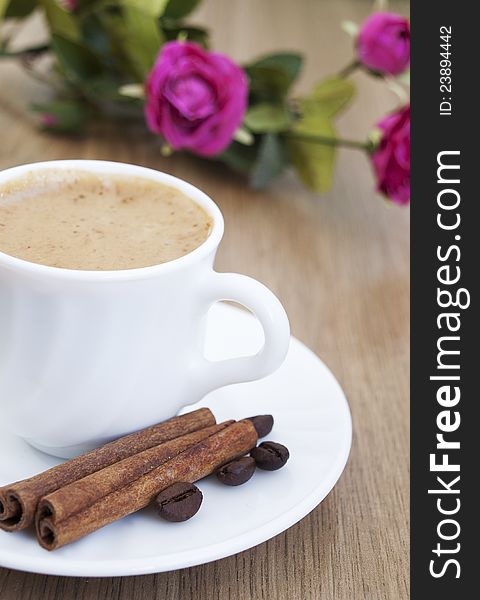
x=340 y=264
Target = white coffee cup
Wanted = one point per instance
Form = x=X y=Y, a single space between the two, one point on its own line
x=86 y=356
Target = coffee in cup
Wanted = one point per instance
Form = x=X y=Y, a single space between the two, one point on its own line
x=93 y=221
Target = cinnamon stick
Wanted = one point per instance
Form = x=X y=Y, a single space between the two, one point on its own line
x=80 y=494
x=194 y=463
x=18 y=501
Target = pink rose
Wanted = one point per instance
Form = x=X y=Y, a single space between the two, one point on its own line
x=391 y=160
x=195 y=99
x=383 y=43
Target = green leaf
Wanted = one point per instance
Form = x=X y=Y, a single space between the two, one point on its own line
x=178 y=9
x=18 y=9
x=62 y=115
x=289 y=63
x=272 y=76
x=332 y=95
x=140 y=40
x=265 y=118
x=60 y=21
x=154 y=8
x=239 y=157
x=78 y=62
x=271 y=161
x=3 y=7
x=313 y=162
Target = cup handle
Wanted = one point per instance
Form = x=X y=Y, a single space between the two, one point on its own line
x=272 y=316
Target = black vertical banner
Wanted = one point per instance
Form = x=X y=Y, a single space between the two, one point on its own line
x=445 y=269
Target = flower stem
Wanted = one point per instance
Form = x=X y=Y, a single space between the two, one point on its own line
x=327 y=141
x=349 y=69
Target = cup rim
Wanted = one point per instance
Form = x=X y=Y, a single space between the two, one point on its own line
x=114 y=168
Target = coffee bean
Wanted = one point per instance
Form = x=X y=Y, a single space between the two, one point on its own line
x=263 y=424
x=270 y=456
x=179 y=502
x=237 y=472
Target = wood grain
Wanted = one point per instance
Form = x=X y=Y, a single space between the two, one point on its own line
x=340 y=264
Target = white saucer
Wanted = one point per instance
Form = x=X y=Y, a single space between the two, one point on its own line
x=312 y=418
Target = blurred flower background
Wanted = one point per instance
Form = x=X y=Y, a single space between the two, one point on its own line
x=144 y=59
